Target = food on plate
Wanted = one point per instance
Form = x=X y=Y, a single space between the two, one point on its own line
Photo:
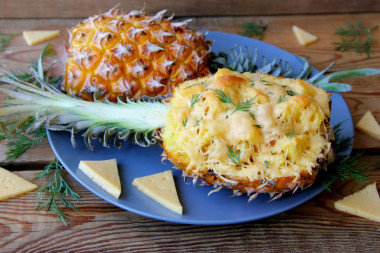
x=12 y=185
x=115 y=54
x=161 y=188
x=35 y=37
x=104 y=173
x=303 y=37
x=368 y=125
x=364 y=203
x=250 y=132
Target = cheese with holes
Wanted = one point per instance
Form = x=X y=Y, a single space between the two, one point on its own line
x=364 y=203
x=161 y=188
x=304 y=38
x=35 y=37
x=104 y=173
x=12 y=185
x=368 y=125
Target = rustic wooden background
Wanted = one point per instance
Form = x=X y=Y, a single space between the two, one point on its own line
x=312 y=227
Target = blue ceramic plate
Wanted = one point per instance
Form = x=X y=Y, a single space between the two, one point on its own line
x=216 y=209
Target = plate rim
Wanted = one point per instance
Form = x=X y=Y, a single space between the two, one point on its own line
x=317 y=188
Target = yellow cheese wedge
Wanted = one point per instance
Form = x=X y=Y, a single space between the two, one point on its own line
x=161 y=188
x=35 y=37
x=12 y=185
x=303 y=37
x=364 y=203
x=368 y=125
x=104 y=173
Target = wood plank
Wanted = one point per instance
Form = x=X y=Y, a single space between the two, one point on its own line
x=365 y=94
x=100 y=225
x=69 y=8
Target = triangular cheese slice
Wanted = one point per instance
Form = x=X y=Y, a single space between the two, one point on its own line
x=368 y=125
x=303 y=37
x=104 y=173
x=12 y=185
x=161 y=188
x=35 y=37
x=364 y=203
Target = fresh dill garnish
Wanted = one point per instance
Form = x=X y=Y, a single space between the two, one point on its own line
x=268 y=84
x=19 y=142
x=226 y=99
x=252 y=116
x=281 y=99
x=271 y=153
x=244 y=106
x=266 y=164
x=258 y=126
x=194 y=99
x=234 y=156
x=223 y=97
x=4 y=38
x=270 y=92
x=57 y=189
x=184 y=122
x=343 y=166
x=355 y=37
x=291 y=134
x=253 y=29
x=197 y=122
x=291 y=93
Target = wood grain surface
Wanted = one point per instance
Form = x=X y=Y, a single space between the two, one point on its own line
x=314 y=226
x=322 y=228
x=85 y=8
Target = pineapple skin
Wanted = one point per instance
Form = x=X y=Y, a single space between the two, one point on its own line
x=131 y=55
x=293 y=135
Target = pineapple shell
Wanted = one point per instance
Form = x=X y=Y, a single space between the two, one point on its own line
x=251 y=132
x=131 y=55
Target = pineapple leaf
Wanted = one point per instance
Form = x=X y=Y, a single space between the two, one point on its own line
x=47 y=106
x=245 y=60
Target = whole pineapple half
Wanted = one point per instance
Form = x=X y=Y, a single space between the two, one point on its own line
x=250 y=132
x=132 y=55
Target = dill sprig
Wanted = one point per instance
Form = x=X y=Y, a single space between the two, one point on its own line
x=291 y=134
x=4 y=38
x=184 y=122
x=345 y=167
x=266 y=163
x=282 y=98
x=234 y=156
x=355 y=37
x=19 y=142
x=291 y=93
x=253 y=29
x=226 y=99
x=195 y=98
x=57 y=189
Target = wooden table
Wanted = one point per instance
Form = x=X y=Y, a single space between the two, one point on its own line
x=314 y=226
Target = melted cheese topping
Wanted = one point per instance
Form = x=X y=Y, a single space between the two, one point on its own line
x=280 y=132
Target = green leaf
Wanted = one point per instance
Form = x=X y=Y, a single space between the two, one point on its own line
x=253 y=29
x=234 y=156
x=57 y=189
x=5 y=38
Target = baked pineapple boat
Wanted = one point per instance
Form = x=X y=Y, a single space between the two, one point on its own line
x=250 y=132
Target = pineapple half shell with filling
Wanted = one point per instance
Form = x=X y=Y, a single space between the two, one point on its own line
x=251 y=132
x=132 y=55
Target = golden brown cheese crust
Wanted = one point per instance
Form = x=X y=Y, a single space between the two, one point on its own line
x=249 y=132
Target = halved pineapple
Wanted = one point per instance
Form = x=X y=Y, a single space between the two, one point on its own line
x=132 y=55
x=251 y=132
